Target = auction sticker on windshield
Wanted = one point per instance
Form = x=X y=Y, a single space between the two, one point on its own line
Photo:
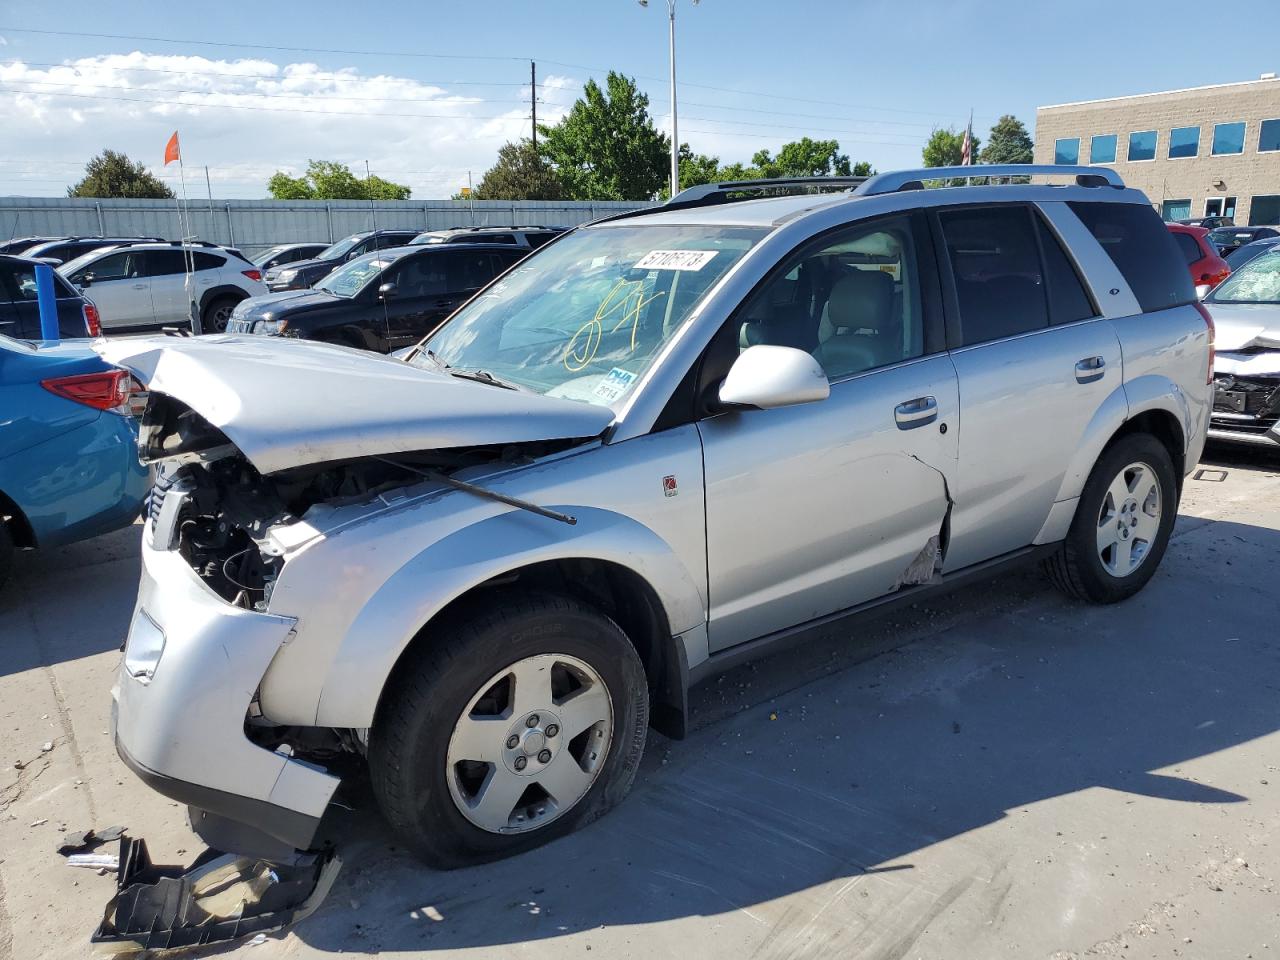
x=614 y=384
x=676 y=259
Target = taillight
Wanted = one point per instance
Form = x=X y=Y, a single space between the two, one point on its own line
x=254 y=275
x=102 y=391
x=1208 y=322
x=92 y=322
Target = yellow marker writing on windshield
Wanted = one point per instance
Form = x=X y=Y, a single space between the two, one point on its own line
x=626 y=298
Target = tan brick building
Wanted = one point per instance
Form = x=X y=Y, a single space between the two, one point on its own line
x=1197 y=152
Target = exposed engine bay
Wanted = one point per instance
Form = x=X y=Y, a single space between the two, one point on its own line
x=215 y=508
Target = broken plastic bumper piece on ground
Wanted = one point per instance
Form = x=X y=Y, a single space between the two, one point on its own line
x=220 y=897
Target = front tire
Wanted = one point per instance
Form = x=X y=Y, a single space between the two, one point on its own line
x=515 y=724
x=1122 y=523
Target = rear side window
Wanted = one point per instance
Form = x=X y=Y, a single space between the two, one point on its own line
x=165 y=263
x=1068 y=299
x=208 y=261
x=538 y=239
x=469 y=271
x=1000 y=287
x=1187 y=244
x=1142 y=249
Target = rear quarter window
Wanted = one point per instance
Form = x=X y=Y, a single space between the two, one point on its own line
x=1187 y=244
x=1142 y=249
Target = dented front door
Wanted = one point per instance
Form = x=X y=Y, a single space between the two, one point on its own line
x=816 y=508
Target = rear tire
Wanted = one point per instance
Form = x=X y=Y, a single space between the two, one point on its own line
x=1122 y=523
x=467 y=770
x=217 y=313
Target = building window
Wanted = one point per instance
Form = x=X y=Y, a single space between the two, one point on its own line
x=1269 y=136
x=1264 y=211
x=1175 y=209
x=1103 y=149
x=1228 y=138
x=1184 y=142
x=1142 y=145
x=1067 y=150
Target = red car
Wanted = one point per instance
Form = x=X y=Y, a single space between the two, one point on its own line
x=1208 y=269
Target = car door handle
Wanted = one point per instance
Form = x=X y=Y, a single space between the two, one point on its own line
x=919 y=412
x=444 y=303
x=1090 y=369
x=139 y=286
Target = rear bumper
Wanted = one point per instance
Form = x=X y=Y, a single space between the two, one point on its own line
x=192 y=666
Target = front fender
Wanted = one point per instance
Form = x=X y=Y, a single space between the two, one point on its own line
x=447 y=569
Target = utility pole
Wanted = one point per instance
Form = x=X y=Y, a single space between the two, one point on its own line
x=533 y=102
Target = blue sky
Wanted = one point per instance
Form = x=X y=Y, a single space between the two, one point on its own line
x=875 y=75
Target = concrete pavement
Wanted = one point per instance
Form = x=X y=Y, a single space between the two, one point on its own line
x=997 y=773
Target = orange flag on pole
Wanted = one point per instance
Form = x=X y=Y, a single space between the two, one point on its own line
x=171 y=150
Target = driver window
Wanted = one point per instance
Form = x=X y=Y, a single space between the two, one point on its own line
x=118 y=266
x=852 y=301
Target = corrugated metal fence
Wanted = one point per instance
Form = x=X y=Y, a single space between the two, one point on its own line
x=254 y=225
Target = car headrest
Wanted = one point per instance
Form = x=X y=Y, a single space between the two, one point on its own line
x=863 y=298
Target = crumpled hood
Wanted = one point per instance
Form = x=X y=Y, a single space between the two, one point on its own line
x=1242 y=325
x=1246 y=338
x=288 y=403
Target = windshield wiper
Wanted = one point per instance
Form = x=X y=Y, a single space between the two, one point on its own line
x=481 y=376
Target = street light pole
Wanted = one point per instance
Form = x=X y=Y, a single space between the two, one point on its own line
x=675 y=135
x=675 y=132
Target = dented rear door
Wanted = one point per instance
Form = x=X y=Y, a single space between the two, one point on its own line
x=816 y=508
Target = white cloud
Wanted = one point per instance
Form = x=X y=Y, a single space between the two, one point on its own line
x=247 y=118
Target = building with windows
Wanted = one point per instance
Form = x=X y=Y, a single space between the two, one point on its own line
x=1200 y=152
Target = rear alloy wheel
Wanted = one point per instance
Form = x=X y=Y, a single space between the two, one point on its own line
x=217 y=315
x=471 y=763
x=1122 y=523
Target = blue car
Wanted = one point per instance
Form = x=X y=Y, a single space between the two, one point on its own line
x=69 y=465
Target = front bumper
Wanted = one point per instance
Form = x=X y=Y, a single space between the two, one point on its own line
x=180 y=725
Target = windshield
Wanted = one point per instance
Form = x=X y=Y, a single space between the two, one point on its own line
x=350 y=278
x=1258 y=281
x=585 y=317
x=334 y=251
x=1226 y=236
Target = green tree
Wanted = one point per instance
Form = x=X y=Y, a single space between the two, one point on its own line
x=1009 y=142
x=112 y=174
x=328 y=180
x=943 y=148
x=804 y=158
x=520 y=174
x=606 y=147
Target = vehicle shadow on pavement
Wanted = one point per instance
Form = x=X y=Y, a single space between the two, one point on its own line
x=70 y=602
x=843 y=789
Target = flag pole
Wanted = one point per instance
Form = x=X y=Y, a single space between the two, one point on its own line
x=186 y=253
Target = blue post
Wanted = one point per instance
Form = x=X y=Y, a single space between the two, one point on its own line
x=48 y=302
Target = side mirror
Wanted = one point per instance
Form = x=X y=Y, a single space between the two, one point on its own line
x=85 y=281
x=1202 y=290
x=767 y=376
x=387 y=290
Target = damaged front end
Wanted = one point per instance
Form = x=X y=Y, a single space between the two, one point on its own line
x=1246 y=408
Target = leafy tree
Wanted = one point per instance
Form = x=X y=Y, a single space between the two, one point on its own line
x=520 y=174
x=943 y=148
x=1009 y=142
x=804 y=158
x=112 y=174
x=327 y=180
x=606 y=147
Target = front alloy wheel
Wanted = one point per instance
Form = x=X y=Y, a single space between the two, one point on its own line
x=472 y=763
x=530 y=744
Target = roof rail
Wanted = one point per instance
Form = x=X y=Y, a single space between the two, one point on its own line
x=705 y=194
x=914 y=179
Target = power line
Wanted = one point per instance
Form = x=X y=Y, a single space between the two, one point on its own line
x=417 y=54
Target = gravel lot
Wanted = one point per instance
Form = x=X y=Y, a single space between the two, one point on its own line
x=999 y=773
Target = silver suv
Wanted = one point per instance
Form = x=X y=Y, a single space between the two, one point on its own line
x=662 y=444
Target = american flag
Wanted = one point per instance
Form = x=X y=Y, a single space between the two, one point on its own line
x=966 y=147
